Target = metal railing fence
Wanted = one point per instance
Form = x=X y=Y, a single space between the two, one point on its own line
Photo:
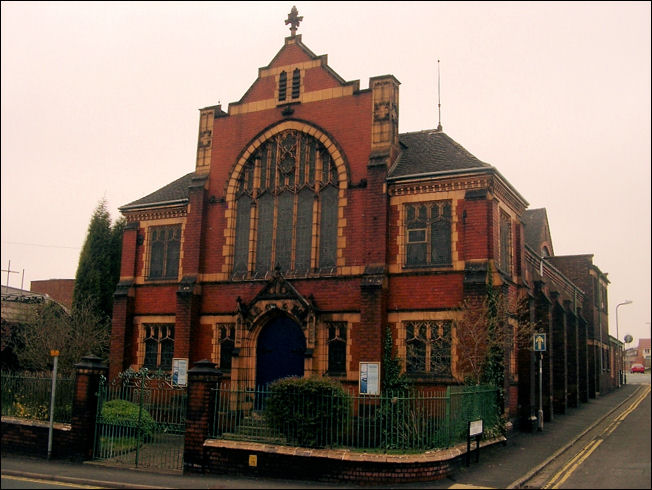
x=28 y=396
x=413 y=421
x=141 y=421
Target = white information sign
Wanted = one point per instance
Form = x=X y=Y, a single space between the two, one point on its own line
x=370 y=378
x=180 y=371
x=475 y=428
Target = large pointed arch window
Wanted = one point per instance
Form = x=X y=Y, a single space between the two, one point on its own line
x=287 y=208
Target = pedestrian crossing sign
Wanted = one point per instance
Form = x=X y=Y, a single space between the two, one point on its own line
x=539 y=341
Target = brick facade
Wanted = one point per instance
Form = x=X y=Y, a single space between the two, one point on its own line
x=379 y=177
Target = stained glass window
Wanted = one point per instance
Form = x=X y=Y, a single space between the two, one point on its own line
x=288 y=190
x=242 y=235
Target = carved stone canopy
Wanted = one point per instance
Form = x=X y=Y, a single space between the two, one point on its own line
x=280 y=296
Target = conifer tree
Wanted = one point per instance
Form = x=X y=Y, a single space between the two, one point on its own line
x=99 y=262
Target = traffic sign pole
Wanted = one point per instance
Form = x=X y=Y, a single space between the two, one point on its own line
x=540 y=414
x=55 y=354
x=539 y=345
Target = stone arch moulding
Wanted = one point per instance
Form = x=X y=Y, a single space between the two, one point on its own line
x=336 y=153
x=338 y=179
x=277 y=297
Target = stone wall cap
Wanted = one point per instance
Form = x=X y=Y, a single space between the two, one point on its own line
x=91 y=362
x=350 y=455
x=204 y=367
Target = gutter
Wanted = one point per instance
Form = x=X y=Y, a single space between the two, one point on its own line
x=136 y=207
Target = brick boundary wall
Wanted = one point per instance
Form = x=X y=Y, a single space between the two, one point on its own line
x=233 y=457
x=69 y=441
x=30 y=437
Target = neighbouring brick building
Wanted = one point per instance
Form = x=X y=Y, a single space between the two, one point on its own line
x=59 y=290
x=310 y=224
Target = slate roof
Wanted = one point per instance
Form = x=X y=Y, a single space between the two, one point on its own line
x=430 y=151
x=534 y=221
x=422 y=152
x=536 y=225
x=175 y=191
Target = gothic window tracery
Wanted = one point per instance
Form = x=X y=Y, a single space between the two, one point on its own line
x=159 y=346
x=288 y=192
x=428 y=347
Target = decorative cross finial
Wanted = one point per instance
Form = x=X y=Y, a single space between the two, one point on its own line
x=293 y=19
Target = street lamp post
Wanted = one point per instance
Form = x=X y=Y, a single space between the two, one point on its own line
x=620 y=371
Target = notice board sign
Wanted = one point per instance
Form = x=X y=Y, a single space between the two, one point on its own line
x=475 y=428
x=180 y=371
x=369 y=378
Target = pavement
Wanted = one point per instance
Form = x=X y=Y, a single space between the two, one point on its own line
x=505 y=465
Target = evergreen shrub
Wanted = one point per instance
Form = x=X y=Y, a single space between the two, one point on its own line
x=309 y=412
x=122 y=413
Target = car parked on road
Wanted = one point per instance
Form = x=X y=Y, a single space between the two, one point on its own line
x=637 y=368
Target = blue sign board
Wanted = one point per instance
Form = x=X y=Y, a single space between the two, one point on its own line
x=539 y=341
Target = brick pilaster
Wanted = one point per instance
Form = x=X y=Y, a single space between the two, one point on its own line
x=560 y=357
x=572 y=355
x=121 y=320
x=202 y=379
x=583 y=358
x=189 y=291
x=84 y=405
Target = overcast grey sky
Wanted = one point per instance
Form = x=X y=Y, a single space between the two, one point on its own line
x=101 y=100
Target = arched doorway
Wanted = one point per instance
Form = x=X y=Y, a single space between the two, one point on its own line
x=280 y=351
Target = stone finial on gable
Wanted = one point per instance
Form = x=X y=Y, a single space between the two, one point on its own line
x=294 y=19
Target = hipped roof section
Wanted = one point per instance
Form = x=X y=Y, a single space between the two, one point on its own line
x=431 y=151
x=174 y=193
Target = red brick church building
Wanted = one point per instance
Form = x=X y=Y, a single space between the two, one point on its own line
x=310 y=224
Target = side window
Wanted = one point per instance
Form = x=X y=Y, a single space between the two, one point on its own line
x=440 y=348
x=164 y=252
x=428 y=347
x=159 y=346
x=415 y=347
x=226 y=339
x=337 y=348
x=428 y=234
x=505 y=243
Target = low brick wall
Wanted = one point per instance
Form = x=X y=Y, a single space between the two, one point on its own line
x=255 y=459
x=21 y=436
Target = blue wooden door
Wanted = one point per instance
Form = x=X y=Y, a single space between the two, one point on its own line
x=280 y=351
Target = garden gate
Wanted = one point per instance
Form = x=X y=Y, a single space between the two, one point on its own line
x=141 y=421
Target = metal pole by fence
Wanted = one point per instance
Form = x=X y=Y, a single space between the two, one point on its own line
x=55 y=354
